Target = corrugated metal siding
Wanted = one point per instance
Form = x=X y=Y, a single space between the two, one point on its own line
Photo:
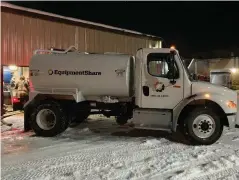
x=21 y=35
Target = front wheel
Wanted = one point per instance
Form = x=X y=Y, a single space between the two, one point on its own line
x=203 y=126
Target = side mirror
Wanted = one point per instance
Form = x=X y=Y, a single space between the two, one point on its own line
x=172 y=54
x=194 y=76
x=171 y=76
x=171 y=73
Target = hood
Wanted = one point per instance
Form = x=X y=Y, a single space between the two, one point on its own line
x=204 y=87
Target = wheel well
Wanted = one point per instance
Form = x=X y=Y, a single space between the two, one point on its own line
x=64 y=100
x=203 y=103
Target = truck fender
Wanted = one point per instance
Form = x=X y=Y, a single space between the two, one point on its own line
x=220 y=101
x=178 y=109
x=32 y=96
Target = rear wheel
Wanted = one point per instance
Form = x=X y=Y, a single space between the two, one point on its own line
x=49 y=119
x=203 y=126
x=17 y=106
x=14 y=107
x=121 y=120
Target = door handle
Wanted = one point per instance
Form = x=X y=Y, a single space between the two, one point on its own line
x=146 y=90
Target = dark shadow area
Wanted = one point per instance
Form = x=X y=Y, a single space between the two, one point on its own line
x=174 y=137
x=108 y=130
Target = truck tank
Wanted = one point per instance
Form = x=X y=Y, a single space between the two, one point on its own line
x=91 y=74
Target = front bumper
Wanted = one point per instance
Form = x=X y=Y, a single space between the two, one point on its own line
x=232 y=120
x=237 y=114
x=237 y=119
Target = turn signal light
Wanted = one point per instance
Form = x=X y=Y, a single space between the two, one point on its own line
x=231 y=104
x=207 y=95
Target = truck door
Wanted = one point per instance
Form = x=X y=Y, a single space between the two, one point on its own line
x=158 y=89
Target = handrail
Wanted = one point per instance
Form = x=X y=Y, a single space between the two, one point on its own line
x=50 y=51
x=190 y=64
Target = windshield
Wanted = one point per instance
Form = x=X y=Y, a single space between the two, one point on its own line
x=186 y=68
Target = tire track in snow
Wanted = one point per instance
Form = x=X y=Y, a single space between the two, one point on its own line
x=69 y=167
x=73 y=147
x=63 y=155
x=219 y=174
x=207 y=168
x=196 y=162
x=172 y=170
x=88 y=164
x=112 y=158
x=161 y=150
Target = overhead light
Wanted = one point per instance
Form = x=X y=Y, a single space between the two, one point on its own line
x=233 y=70
x=12 y=67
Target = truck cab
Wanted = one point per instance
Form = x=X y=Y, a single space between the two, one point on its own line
x=165 y=97
x=165 y=89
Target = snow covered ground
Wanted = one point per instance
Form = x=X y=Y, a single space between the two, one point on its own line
x=99 y=149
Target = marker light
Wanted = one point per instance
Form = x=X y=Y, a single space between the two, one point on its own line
x=172 y=47
x=231 y=104
x=15 y=100
x=207 y=95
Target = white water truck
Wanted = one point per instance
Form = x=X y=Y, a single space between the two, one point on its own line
x=152 y=89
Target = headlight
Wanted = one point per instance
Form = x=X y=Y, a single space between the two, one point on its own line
x=207 y=95
x=231 y=104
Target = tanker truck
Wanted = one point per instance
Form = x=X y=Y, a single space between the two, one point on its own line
x=151 y=90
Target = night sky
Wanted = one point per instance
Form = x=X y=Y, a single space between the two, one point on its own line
x=196 y=28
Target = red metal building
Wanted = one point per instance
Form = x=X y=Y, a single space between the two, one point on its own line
x=23 y=30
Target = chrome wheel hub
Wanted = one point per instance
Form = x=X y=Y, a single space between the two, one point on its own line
x=203 y=126
x=46 y=119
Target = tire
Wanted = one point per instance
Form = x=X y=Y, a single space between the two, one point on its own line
x=14 y=107
x=121 y=120
x=17 y=107
x=80 y=116
x=203 y=126
x=60 y=119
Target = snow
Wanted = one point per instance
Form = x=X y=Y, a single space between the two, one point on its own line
x=17 y=122
x=99 y=149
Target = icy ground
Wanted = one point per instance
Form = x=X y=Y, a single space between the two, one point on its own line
x=100 y=149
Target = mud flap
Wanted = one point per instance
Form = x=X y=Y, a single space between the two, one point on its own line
x=27 y=126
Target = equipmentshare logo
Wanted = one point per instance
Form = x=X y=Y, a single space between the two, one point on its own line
x=66 y=72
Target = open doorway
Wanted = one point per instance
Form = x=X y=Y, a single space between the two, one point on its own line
x=11 y=76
